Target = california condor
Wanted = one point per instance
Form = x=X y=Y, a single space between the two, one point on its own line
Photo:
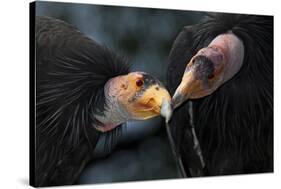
x=83 y=89
x=221 y=74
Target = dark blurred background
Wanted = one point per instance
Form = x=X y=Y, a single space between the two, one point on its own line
x=145 y=36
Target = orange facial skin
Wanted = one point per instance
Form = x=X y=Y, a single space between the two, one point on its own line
x=135 y=96
x=141 y=96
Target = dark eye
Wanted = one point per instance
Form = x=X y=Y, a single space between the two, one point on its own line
x=211 y=76
x=139 y=82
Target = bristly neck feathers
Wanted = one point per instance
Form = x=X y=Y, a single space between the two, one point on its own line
x=237 y=119
x=114 y=113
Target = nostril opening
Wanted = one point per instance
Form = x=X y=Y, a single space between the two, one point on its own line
x=151 y=101
x=157 y=88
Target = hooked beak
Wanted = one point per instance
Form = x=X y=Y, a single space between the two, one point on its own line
x=178 y=99
x=154 y=101
x=166 y=110
x=200 y=79
x=184 y=91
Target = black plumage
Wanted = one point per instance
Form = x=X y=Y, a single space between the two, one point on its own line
x=234 y=125
x=71 y=71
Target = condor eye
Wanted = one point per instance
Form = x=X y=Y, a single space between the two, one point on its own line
x=211 y=76
x=139 y=82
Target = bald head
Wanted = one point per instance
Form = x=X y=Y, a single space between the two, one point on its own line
x=137 y=96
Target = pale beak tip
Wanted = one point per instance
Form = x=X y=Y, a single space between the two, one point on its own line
x=178 y=99
x=166 y=110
